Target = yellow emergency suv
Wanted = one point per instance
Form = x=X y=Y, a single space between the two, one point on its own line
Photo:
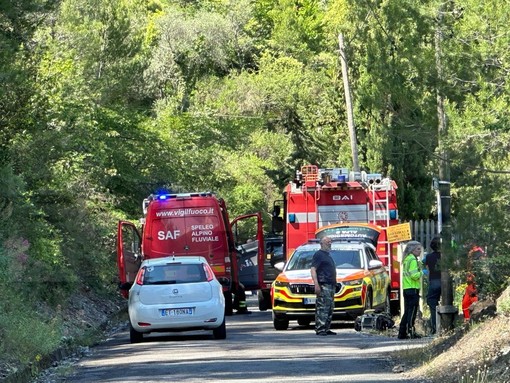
x=362 y=280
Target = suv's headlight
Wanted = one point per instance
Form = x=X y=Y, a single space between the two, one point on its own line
x=280 y=284
x=353 y=282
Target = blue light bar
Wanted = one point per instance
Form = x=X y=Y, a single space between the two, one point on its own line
x=162 y=197
x=292 y=217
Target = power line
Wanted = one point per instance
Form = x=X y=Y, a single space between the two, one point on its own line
x=467 y=166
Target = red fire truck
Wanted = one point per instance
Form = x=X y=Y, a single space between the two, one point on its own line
x=194 y=224
x=321 y=197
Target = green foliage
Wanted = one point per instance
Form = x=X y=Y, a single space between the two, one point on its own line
x=10 y=187
x=247 y=185
x=104 y=102
x=478 y=139
x=193 y=46
x=504 y=307
x=297 y=28
x=391 y=61
x=25 y=334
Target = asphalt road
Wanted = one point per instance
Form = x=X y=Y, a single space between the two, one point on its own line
x=252 y=352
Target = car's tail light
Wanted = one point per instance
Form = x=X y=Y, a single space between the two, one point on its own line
x=139 y=276
x=208 y=272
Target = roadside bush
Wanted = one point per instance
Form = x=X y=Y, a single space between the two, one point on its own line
x=35 y=270
x=48 y=283
x=24 y=334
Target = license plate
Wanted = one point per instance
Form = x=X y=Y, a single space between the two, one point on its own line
x=309 y=301
x=186 y=311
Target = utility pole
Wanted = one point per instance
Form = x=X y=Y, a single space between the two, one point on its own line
x=446 y=309
x=348 y=105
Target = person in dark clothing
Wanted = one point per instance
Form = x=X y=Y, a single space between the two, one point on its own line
x=240 y=300
x=323 y=272
x=431 y=261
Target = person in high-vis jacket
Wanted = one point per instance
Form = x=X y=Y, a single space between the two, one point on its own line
x=411 y=281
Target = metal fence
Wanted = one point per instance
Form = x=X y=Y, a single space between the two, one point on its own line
x=423 y=231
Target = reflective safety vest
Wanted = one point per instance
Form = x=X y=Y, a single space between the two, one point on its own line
x=411 y=273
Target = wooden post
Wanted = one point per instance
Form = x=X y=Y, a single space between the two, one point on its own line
x=348 y=105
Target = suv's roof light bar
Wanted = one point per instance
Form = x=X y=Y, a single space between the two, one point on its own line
x=343 y=239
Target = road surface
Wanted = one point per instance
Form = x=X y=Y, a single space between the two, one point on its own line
x=252 y=352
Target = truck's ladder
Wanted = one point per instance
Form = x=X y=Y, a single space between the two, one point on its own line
x=377 y=202
x=310 y=173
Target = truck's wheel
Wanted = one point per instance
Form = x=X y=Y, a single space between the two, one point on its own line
x=280 y=323
x=134 y=336
x=264 y=300
x=387 y=303
x=229 y=305
x=220 y=332
x=395 y=308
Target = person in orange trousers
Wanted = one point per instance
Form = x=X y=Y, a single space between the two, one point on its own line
x=470 y=296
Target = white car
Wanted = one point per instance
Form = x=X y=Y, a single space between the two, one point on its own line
x=176 y=294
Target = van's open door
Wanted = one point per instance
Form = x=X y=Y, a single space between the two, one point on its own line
x=248 y=234
x=129 y=255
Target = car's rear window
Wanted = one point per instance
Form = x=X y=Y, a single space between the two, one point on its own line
x=174 y=273
x=344 y=259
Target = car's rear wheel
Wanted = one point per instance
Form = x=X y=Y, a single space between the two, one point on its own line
x=220 y=332
x=134 y=336
x=304 y=322
x=280 y=323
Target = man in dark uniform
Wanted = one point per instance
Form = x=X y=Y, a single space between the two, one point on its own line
x=323 y=272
